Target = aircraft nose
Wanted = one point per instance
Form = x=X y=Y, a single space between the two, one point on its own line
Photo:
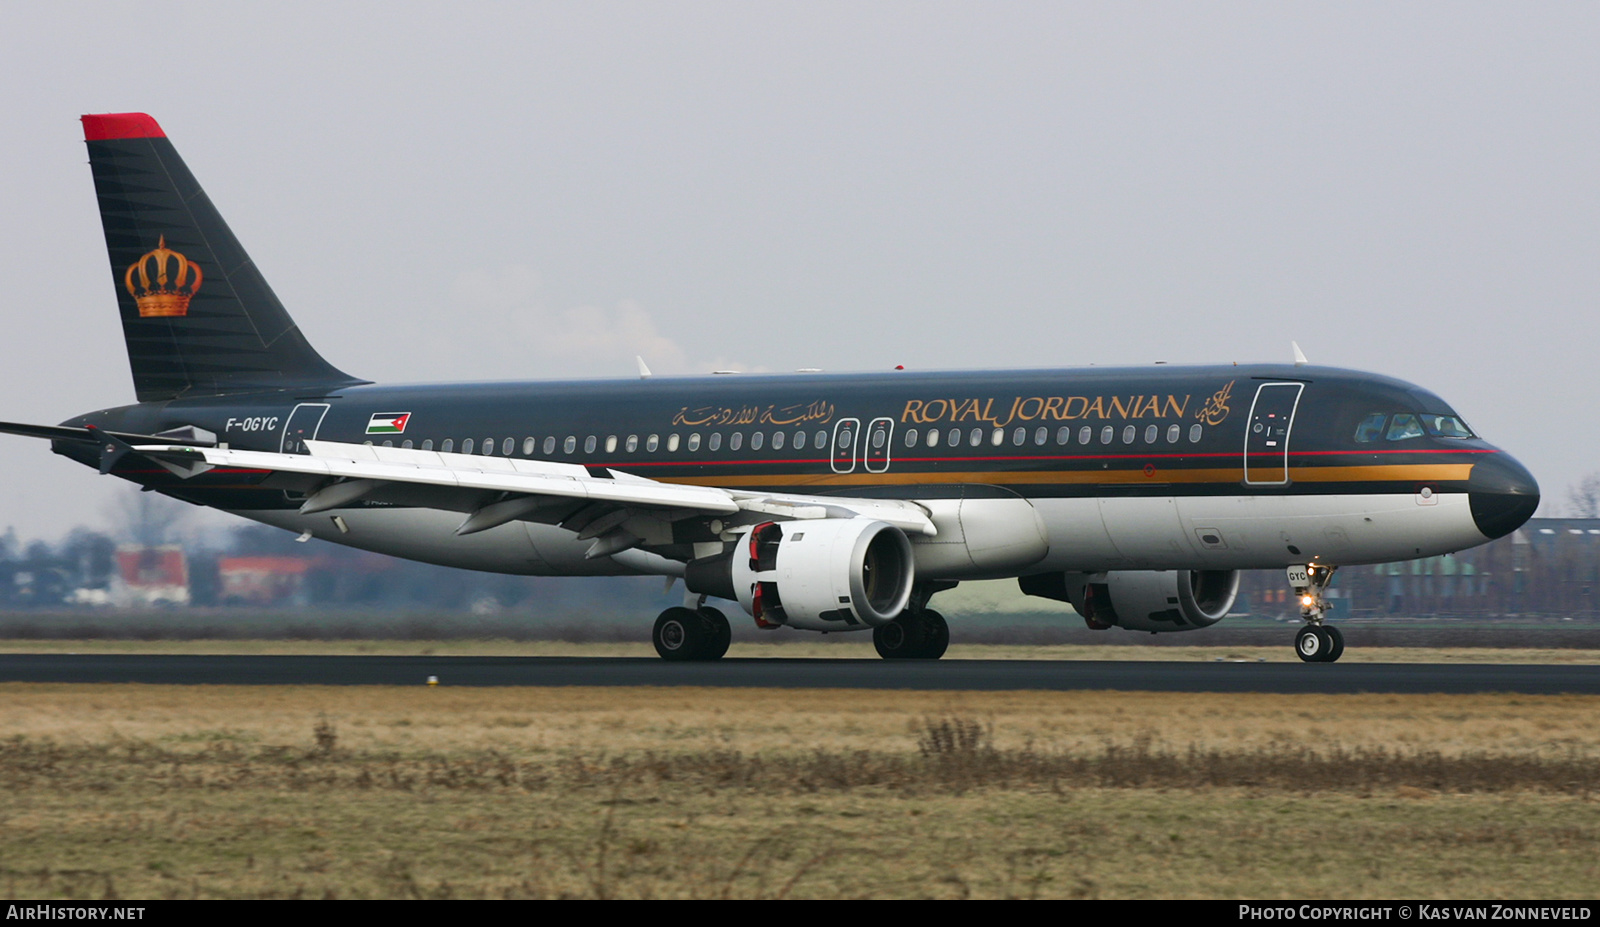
x=1503 y=495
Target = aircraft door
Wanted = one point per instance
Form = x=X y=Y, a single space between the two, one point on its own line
x=1266 y=442
x=876 y=450
x=844 y=444
x=302 y=424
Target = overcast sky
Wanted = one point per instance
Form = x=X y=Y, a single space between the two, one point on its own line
x=525 y=190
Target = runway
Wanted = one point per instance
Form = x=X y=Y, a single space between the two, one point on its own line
x=948 y=675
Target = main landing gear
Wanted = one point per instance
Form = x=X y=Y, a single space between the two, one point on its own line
x=1317 y=642
x=684 y=634
x=915 y=635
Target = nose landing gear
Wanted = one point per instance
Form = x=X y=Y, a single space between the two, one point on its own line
x=1317 y=642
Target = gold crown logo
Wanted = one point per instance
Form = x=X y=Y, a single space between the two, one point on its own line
x=170 y=294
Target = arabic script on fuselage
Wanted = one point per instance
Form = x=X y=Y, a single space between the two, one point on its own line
x=772 y=414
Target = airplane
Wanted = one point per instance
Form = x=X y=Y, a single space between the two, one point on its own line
x=821 y=502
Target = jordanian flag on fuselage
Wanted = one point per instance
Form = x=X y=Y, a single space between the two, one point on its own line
x=387 y=423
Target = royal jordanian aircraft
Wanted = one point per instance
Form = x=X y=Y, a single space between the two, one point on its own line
x=818 y=502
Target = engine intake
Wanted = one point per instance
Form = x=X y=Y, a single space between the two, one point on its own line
x=821 y=575
x=1142 y=600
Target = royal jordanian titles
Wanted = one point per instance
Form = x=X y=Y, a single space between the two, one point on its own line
x=815 y=502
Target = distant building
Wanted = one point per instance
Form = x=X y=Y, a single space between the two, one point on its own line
x=262 y=580
x=148 y=576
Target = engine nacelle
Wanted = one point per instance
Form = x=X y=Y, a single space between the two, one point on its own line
x=817 y=574
x=1143 y=600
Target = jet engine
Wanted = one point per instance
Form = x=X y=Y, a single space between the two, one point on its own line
x=820 y=575
x=1142 y=600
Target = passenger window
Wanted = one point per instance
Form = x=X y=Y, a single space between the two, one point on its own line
x=588 y=444
x=933 y=437
x=911 y=437
x=466 y=446
x=955 y=437
x=1041 y=435
x=820 y=439
x=389 y=443
x=1194 y=434
x=672 y=443
x=633 y=444
x=549 y=445
x=736 y=441
x=652 y=443
x=611 y=444
x=1129 y=433
x=716 y=441
x=1085 y=434
x=976 y=438
x=448 y=445
x=1371 y=428
x=694 y=441
x=507 y=446
x=1151 y=433
x=1064 y=434
x=488 y=447
x=799 y=440
x=1403 y=426
x=997 y=437
x=1018 y=436
x=778 y=438
x=569 y=445
x=406 y=444
x=756 y=440
x=1173 y=432
x=1106 y=434
x=529 y=445
x=428 y=444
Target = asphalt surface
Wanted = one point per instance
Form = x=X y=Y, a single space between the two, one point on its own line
x=945 y=675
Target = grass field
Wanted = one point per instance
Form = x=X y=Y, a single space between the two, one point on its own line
x=350 y=792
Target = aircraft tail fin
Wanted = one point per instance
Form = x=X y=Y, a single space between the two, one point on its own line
x=198 y=316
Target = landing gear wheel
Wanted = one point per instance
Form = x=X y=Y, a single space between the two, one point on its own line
x=937 y=639
x=900 y=639
x=718 y=634
x=1335 y=643
x=1311 y=644
x=680 y=634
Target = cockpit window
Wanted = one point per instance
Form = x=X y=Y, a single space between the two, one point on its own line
x=1371 y=428
x=1404 y=425
x=1445 y=426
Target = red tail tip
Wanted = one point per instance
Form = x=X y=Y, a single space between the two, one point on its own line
x=120 y=125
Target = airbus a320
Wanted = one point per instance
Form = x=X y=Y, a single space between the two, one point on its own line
x=814 y=501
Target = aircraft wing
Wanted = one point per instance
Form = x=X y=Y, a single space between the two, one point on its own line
x=496 y=490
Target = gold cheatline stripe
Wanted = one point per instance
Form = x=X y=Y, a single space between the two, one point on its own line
x=1381 y=473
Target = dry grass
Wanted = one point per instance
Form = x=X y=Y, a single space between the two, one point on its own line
x=143 y=791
